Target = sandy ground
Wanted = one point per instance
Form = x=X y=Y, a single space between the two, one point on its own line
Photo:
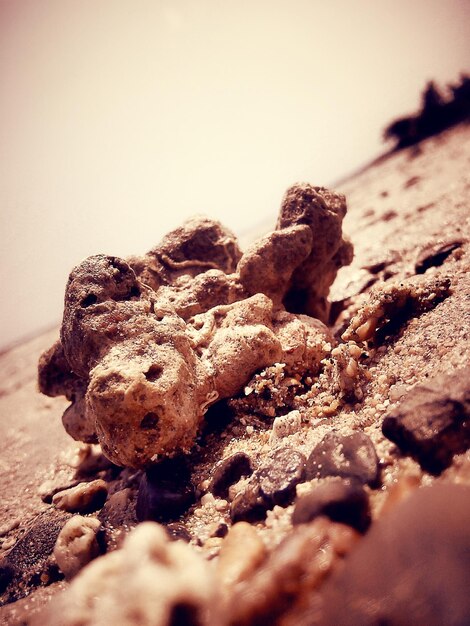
x=397 y=207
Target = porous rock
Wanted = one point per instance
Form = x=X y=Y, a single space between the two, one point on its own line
x=83 y=498
x=432 y=422
x=148 y=345
x=151 y=580
x=76 y=544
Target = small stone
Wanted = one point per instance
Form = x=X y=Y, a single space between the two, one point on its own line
x=228 y=472
x=280 y=476
x=76 y=544
x=84 y=498
x=28 y=558
x=285 y=425
x=176 y=531
x=432 y=422
x=341 y=501
x=249 y=505
x=241 y=553
x=165 y=491
x=220 y=530
x=350 y=456
x=412 y=567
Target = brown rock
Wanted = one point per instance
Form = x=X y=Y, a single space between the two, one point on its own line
x=432 y=421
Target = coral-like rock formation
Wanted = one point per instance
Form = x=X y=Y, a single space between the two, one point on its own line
x=148 y=344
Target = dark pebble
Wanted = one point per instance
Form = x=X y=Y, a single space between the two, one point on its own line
x=412 y=567
x=249 y=505
x=229 y=471
x=220 y=531
x=432 y=422
x=177 y=531
x=28 y=558
x=350 y=456
x=279 y=477
x=341 y=501
x=165 y=491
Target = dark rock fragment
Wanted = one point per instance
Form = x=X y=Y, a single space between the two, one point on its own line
x=341 y=501
x=228 y=472
x=165 y=491
x=178 y=531
x=350 y=456
x=21 y=568
x=220 y=530
x=412 y=567
x=435 y=255
x=279 y=477
x=249 y=505
x=432 y=421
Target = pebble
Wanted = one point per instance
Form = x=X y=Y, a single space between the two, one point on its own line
x=241 y=552
x=249 y=505
x=177 y=531
x=347 y=456
x=165 y=491
x=412 y=567
x=28 y=558
x=285 y=425
x=76 y=544
x=341 y=501
x=432 y=421
x=229 y=471
x=280 y=476
x=84 y=498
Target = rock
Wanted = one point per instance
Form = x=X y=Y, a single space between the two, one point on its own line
x=228 y=471
x=76 y=544
x=350 y=456
x=29 y=557
x=150 y=581
x=249 y=505
x=177 y=532
x=341 y=501
x=412 y=567
x=285 y=425
x=431 y=423
x=165 y=491
x=220 y=530
x=240 y=554
x=84 y=498
x=290 y=573
x=279 y=477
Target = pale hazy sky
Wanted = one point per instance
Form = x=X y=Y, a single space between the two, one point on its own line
x=120 y=118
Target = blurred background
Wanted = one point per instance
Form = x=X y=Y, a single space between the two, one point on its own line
x=121 y=118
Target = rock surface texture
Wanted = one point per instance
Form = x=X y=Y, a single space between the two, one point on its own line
x=254 y=441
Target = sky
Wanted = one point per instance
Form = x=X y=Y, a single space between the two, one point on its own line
x=121 y=118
